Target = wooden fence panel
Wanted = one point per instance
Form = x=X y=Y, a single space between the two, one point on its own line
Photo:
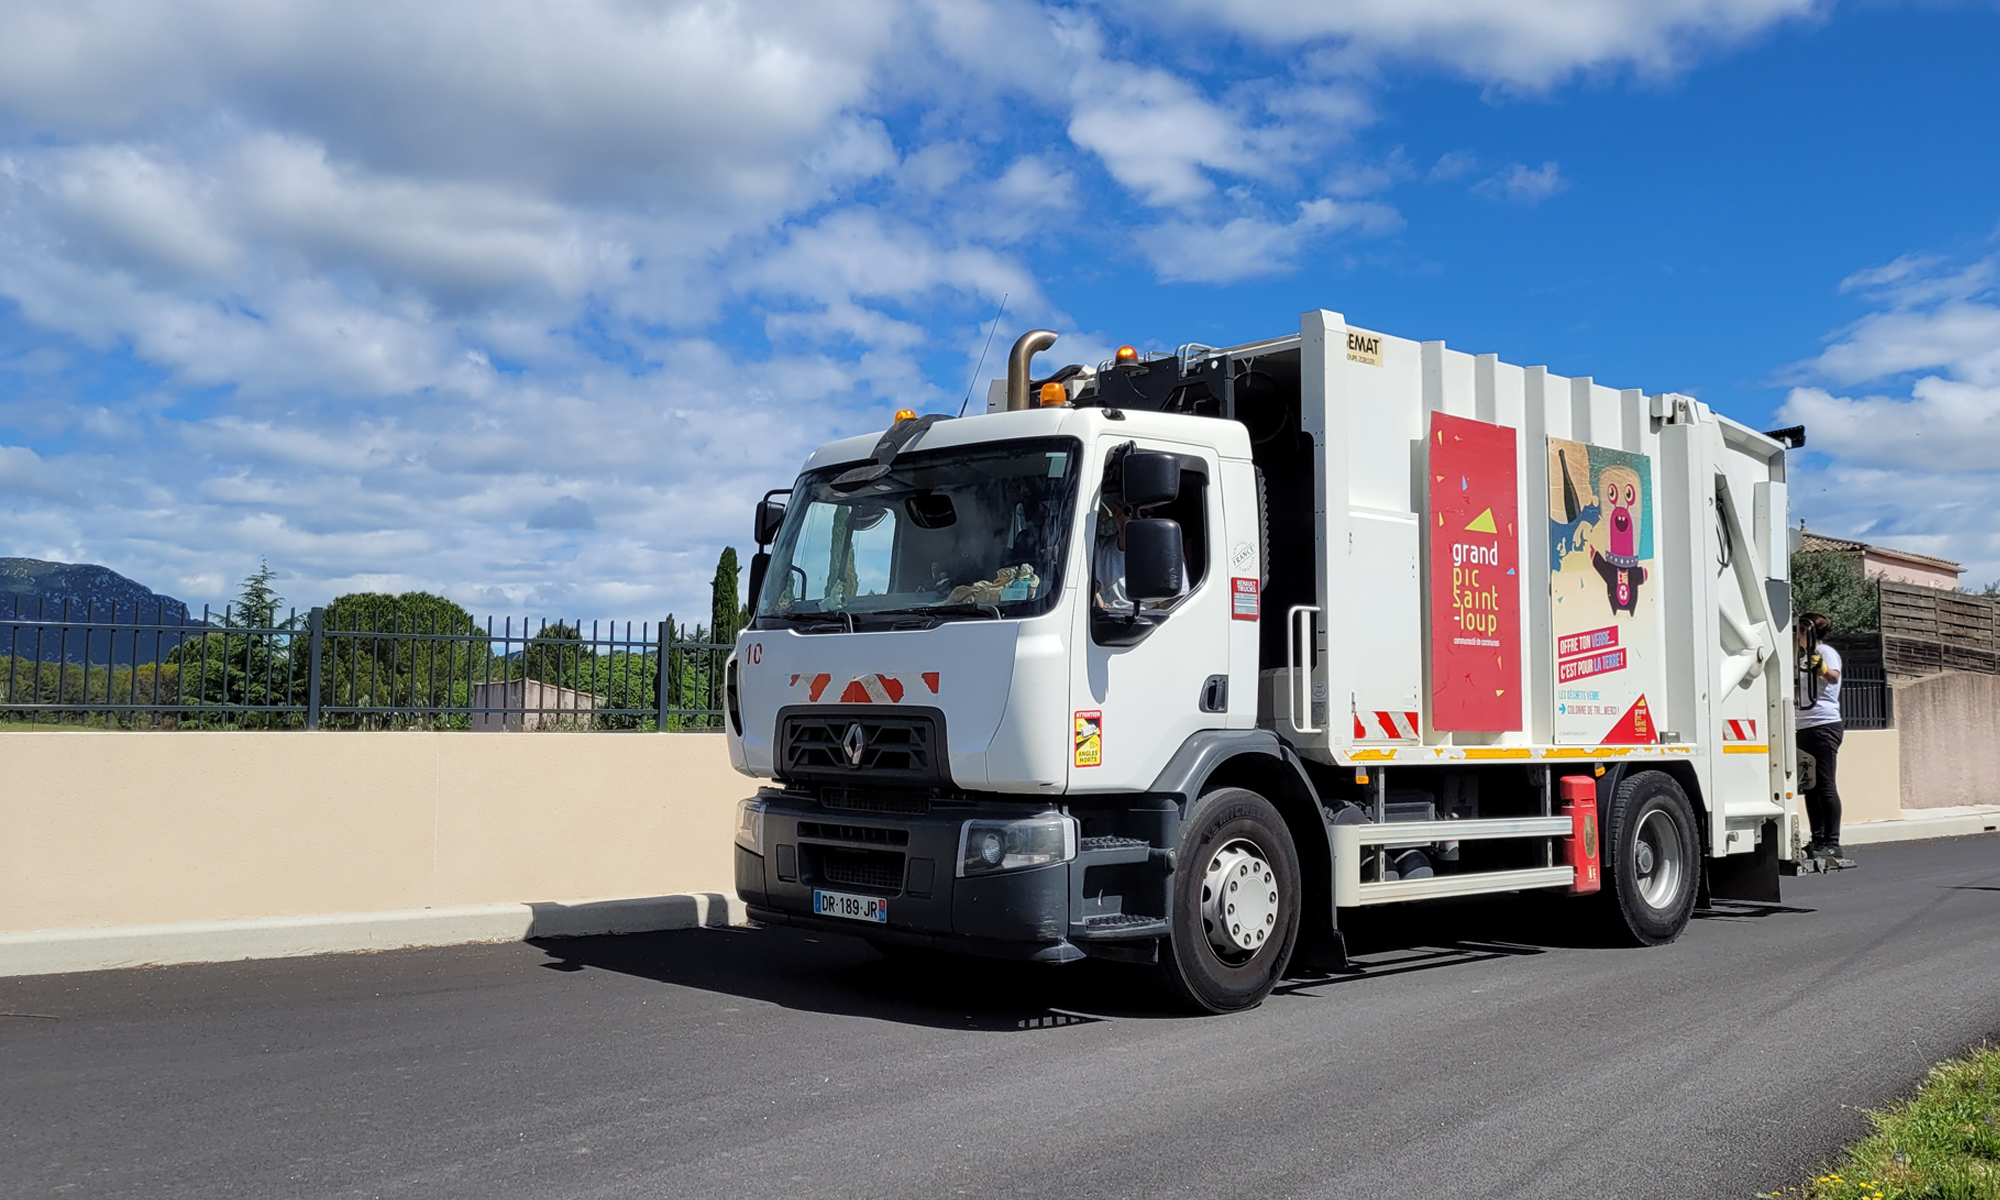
x=1928 y=630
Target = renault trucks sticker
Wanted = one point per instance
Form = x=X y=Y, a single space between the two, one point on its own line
x=1243 y=597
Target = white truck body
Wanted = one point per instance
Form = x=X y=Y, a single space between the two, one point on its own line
x=1632 y=626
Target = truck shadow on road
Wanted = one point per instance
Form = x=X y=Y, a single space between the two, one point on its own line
x=844 y=976
x=1386 y=942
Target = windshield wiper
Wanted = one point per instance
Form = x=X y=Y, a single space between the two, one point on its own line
x=816 y=620
x=940 y=611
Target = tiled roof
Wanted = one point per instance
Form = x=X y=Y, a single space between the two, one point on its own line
x=1819 y=541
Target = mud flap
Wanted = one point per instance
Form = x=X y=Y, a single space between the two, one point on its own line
x=1324 y=951
x=1752 y=876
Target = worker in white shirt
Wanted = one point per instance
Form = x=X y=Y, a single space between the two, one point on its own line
x=1819 y=733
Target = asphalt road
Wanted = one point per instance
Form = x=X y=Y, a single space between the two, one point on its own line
x=1481 y=1052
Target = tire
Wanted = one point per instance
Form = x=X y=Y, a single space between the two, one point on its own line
x=1652 y=860
x=1231 y=837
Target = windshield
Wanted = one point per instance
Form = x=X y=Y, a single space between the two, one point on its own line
x=970 y=532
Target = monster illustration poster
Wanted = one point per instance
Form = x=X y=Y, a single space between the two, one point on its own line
x=1475 y=583
x=1604 y=594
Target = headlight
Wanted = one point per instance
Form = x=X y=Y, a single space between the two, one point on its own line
x=988 y=847
x=750 y=825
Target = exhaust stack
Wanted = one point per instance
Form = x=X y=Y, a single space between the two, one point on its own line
x=1030 y=344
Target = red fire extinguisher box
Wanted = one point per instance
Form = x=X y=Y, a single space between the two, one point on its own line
x=1580 y=849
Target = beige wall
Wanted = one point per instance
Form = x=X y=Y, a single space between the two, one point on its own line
x=116 y=828
x=1868 y=774
x=1950 y=726
x=1895 y=570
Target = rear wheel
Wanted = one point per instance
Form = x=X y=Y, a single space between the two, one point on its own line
x=1652 y=862
x=1236 y=903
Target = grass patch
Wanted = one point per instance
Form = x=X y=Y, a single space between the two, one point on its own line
x=1942 y=1144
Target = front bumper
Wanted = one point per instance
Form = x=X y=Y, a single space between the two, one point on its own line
x=909 y=860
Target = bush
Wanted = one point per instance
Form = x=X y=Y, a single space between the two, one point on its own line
x=1829 y=582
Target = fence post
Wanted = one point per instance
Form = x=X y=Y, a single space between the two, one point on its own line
x=314 y=621
x=660 y=688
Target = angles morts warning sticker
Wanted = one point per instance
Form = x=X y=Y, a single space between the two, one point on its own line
x=1090 y=738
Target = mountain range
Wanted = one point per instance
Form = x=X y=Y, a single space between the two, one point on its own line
x=46 y=606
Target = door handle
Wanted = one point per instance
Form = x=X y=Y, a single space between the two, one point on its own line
x=1300 y=621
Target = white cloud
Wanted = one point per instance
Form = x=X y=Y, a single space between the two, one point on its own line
x=1523 y=184
x=1453 y=165
x=1157 y=134
x=1519 y=43
x=1932 y=315
x=714 y=105
x=1920 y=468
x=1248 y=246
x=565 y=513
x=466 y=295
x=1963 y=336
x=1368 y=179
x=24 y=472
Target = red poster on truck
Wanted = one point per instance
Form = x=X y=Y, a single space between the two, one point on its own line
x=1475 y=552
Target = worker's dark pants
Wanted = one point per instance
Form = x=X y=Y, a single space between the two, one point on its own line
x=1823 y=799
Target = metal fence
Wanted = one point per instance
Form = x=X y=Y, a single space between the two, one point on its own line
x=1867 y=701
x=315 y=670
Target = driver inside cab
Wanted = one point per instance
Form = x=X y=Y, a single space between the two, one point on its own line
x=1108 y=563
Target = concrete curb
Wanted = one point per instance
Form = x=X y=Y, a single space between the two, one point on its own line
x=59 y=951
x=1916 y=828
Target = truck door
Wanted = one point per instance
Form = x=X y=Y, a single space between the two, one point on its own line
x=1147 y=680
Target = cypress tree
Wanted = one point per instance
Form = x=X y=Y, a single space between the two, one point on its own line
x=725 y=610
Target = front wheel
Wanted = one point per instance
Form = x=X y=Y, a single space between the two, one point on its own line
x=1236 y=903
x=1653 y=859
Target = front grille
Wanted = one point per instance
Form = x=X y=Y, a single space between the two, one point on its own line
x=881 y=870
x=854 y=833
x=850 y=800
x=842 y=744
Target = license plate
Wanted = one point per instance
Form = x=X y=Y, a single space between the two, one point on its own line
x=854 y=908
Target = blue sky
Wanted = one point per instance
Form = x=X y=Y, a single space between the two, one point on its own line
x=527 y=304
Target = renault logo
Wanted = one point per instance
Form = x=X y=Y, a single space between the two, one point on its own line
x=853 y=744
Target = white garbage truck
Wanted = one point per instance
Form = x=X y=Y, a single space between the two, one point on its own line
x=1181 y=659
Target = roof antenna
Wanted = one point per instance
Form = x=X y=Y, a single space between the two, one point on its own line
x=982 y=353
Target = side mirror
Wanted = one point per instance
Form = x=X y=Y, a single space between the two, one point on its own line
x=931 y=510
x=1149 y=478
x=770 y=515
x=1153 y=564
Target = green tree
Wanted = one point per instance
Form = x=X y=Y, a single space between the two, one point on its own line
x=257 y=605
x=725 y=611
x=253 y=659
x=558 y=655
x=1829 y=582
x=414 y=651
x=693 y=676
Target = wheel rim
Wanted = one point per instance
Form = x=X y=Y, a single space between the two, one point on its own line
x=1239 y=901
x=1656 y=859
